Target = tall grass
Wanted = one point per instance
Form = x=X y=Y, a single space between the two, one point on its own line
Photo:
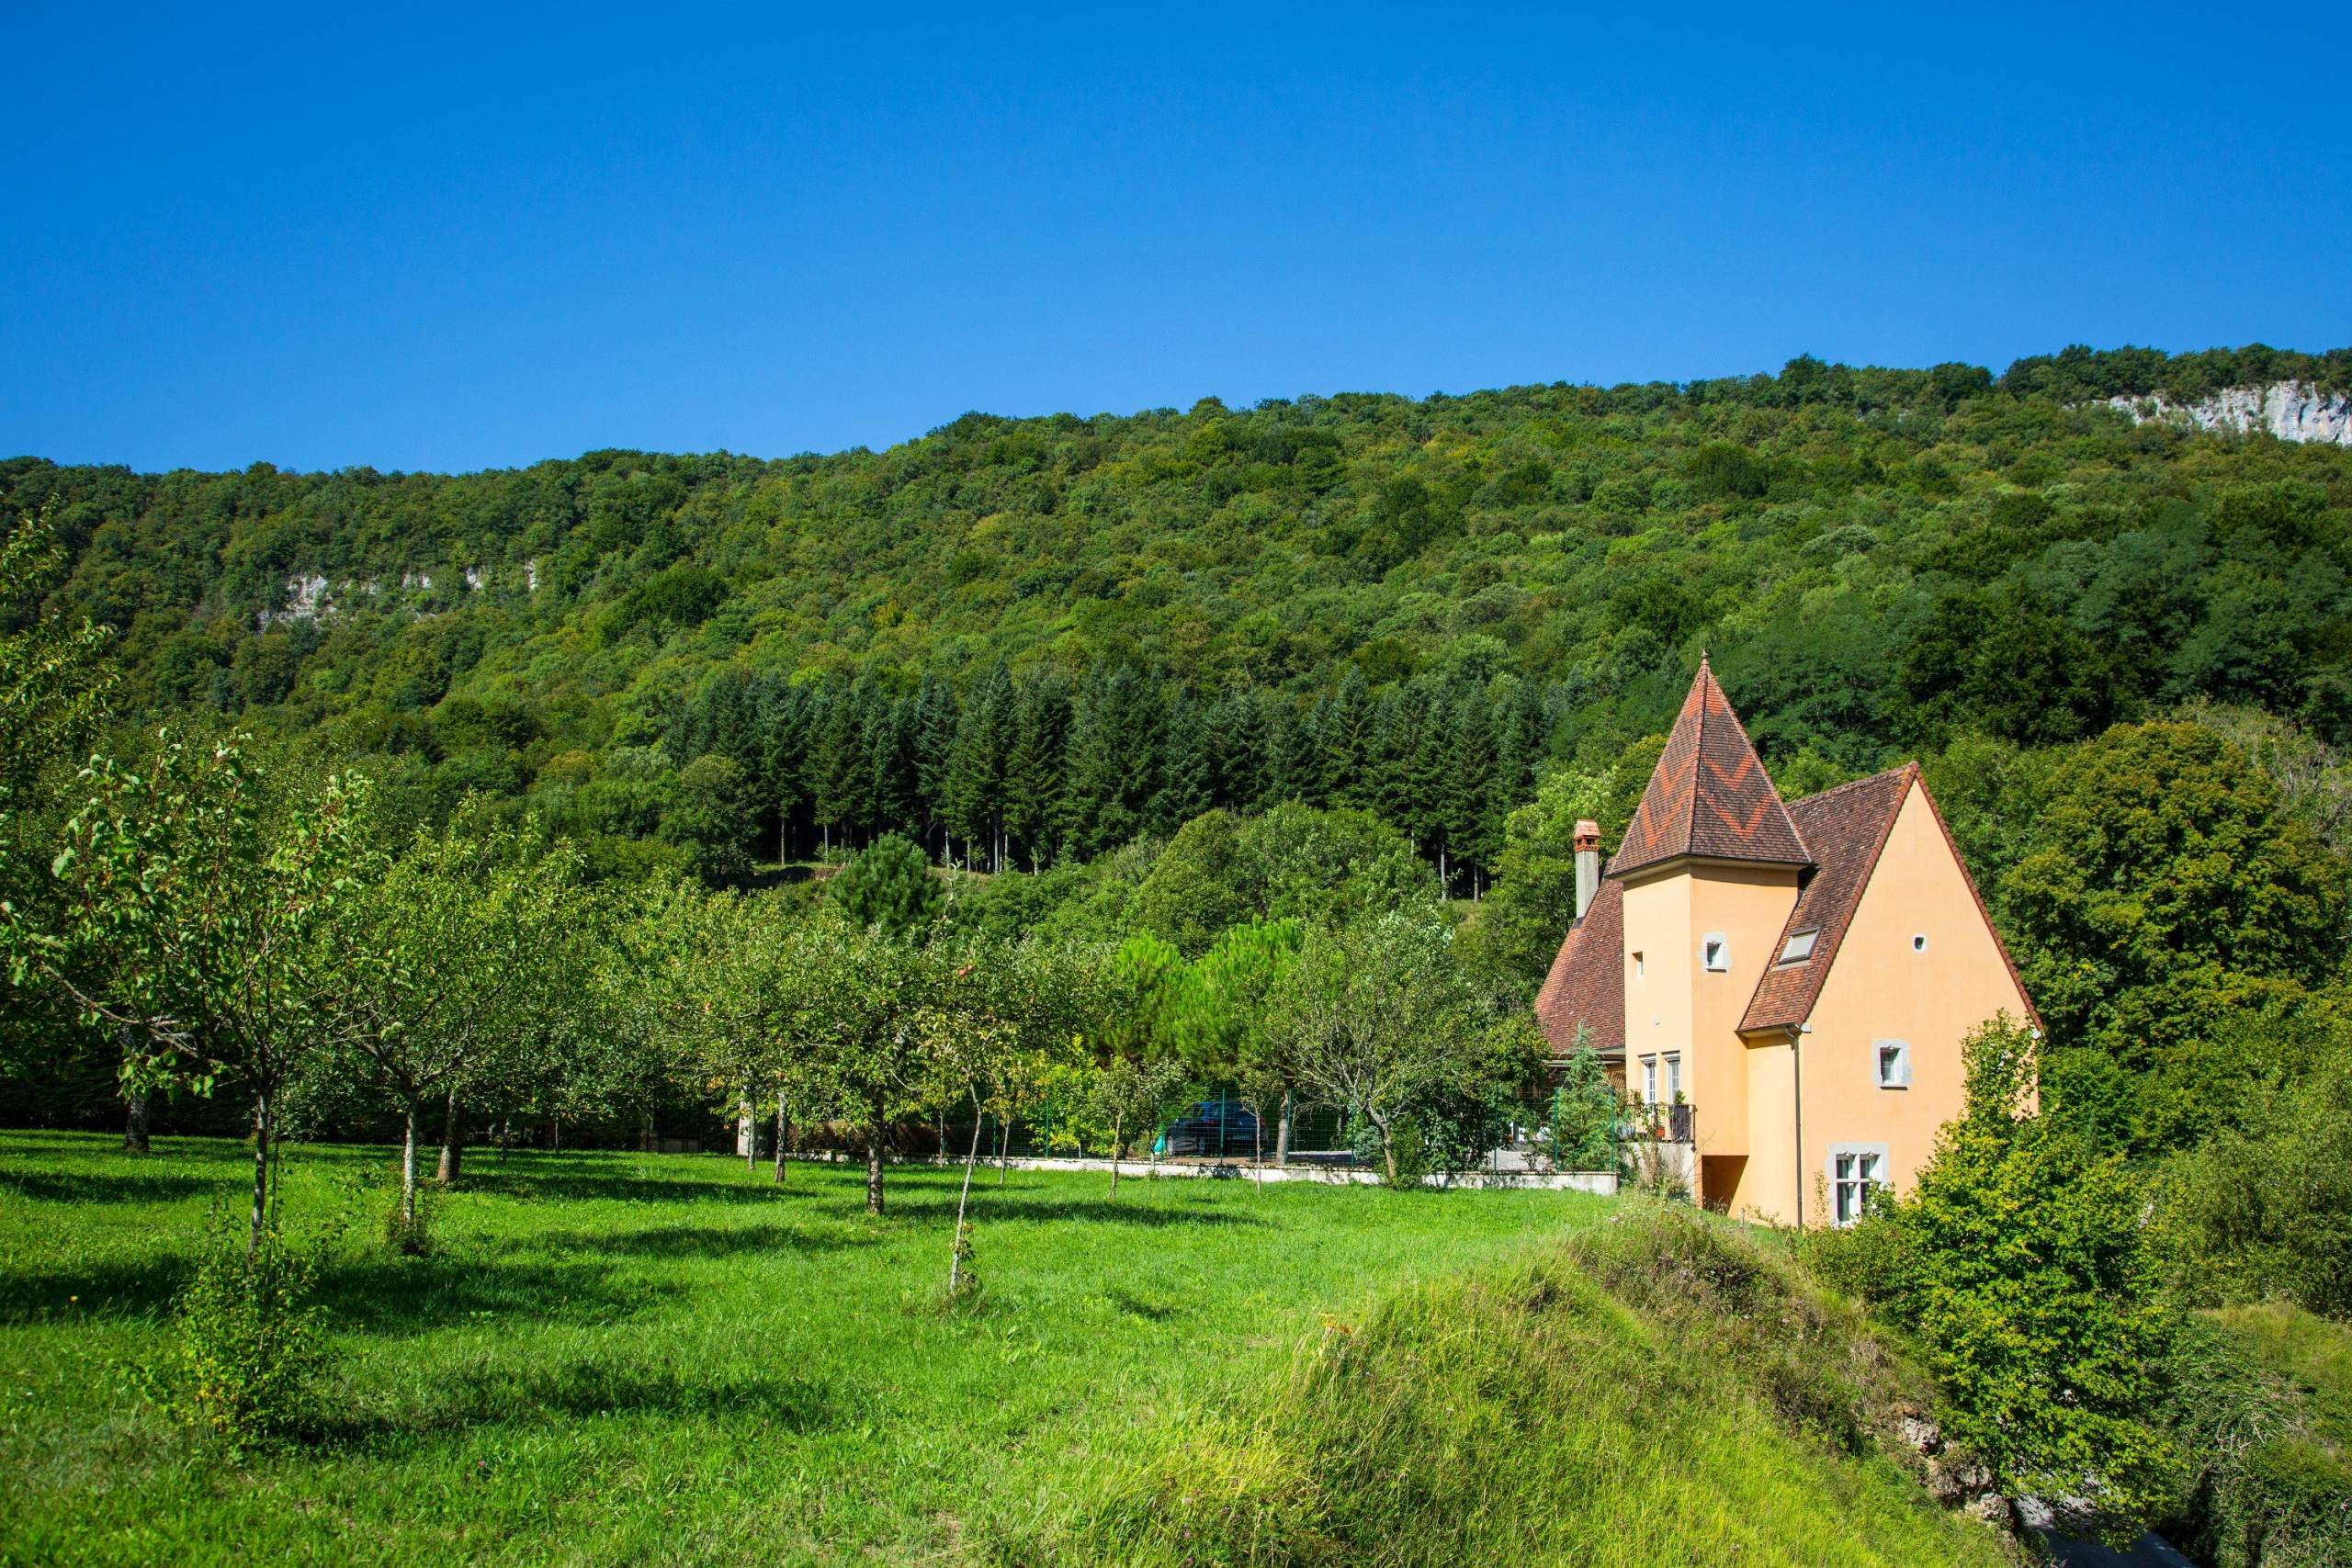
x=1654 y=1390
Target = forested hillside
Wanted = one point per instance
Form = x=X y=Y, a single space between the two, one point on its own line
x=1030 y=640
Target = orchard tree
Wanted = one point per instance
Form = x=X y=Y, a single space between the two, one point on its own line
x=869 y=1010
x=199 y=917
x=1380 y=1017
x=459 y=950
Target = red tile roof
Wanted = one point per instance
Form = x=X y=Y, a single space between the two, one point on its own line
x=1587 y=984
x=1709 y=794
x=1847 y=827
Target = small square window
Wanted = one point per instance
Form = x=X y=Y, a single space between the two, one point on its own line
x=1799 y=947
x=1716 y=952
x=1920 y=942
x=1894 y=1062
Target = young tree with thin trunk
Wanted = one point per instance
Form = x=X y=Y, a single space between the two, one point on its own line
x=1374 y=1016
x=197 y=915
x=459 y=950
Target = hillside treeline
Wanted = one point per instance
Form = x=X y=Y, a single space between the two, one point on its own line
x=1412 y=605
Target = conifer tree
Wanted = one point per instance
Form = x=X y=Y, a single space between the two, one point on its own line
x=1115 y=755
x=781 y=771
x=1188 y=769
x=1033 y=773
x=936 y=713
x=1238 y=731
x=837 y=759
x=976 y=772
x=1344 y=733
x=893 y=796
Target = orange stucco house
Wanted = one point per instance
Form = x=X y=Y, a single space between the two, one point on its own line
x=1800 y=975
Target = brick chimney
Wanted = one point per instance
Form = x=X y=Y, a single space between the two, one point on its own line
x=1588 y=841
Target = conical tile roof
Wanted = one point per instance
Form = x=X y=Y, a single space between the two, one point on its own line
x=1710 y=795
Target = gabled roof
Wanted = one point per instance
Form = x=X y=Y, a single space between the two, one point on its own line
x=1587 y=984
x=1709 y=794
x=1847 y=828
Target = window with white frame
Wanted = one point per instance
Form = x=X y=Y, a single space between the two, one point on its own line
x=1799 y=947
x=1714 y=953
x=1890 y=1061
x=1649 y=1080
x=1673 y=1077
x=1637 y=966
x=1854 y=1170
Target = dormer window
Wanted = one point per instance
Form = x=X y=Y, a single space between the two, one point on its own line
x=1714 y=953
x=1799 y=947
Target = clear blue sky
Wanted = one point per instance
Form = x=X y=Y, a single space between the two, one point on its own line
x=481 y=236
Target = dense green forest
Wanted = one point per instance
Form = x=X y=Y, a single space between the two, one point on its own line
x=1030 y=640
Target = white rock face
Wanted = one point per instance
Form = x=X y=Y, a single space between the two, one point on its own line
x=305 y=597
x=2292 y=410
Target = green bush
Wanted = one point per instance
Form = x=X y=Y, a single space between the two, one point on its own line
x=2021 y=1262
x=252 y=1352
x=888 y=885
x=2263 y=1208
x=2267 y=1491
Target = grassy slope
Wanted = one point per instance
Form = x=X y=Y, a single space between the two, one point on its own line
x=617 y=1358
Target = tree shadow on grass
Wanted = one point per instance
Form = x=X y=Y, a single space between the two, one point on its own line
x=563 y=1186
x=111 y=1187
x=692 y=1241
x=1103 y=1210
x=487 y=1390
x=111 y=1288
x=389 y=1295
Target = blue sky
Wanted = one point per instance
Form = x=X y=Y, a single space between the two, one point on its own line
x=477 y=237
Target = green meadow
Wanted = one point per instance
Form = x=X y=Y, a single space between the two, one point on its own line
x=615 y=1358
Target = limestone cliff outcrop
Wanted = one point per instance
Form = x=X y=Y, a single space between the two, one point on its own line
x=2292 y=410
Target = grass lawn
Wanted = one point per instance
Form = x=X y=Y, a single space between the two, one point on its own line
x=616 y=1358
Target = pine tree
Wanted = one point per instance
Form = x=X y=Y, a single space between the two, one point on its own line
x=1343 y=734
x=1188 y=766
x=780 y=775
x=837 y=763
x=1238 y=735
x=1114 y=757
x=1472 y=831
x=894 y=798
x=1295 y=771
x=976 y=766
x=936 y=713
x=1033 y=774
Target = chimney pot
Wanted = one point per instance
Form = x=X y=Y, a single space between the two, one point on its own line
x=1588 y=848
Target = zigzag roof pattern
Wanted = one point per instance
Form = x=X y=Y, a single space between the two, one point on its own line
x=1709 y=794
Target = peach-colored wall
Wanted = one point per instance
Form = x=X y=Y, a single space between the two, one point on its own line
x=1677 y=1004
x=1767 y=1188
x=1878 y=987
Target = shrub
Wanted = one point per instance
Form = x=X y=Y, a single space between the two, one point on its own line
x=2021 y=1262
x=252 y=1350
x=2265 y=1492
x=888 y=886
x=2265 y=1209
x=409 y=1233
